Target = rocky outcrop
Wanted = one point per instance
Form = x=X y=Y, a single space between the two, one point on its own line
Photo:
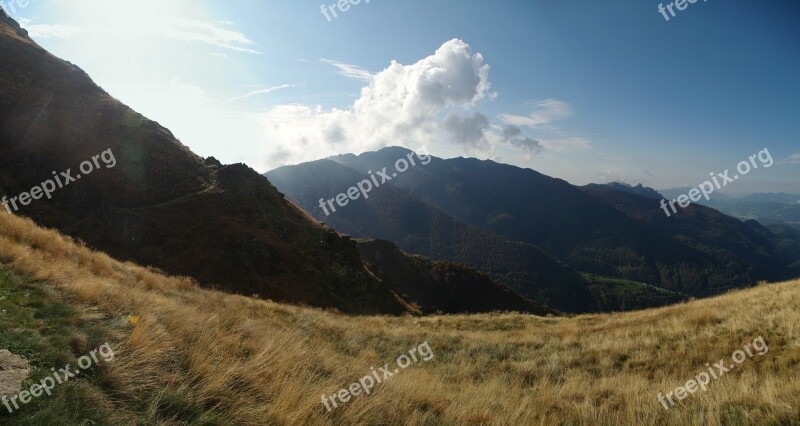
x=13 y=371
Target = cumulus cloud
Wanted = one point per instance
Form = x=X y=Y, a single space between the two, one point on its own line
x=432 y=101
x=401 y=105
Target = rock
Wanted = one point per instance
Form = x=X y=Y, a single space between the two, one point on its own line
x=13 y=370
x=211 y=161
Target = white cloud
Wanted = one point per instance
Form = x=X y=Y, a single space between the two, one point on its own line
x=429 y=102
x=348 y=70
x=401 y=105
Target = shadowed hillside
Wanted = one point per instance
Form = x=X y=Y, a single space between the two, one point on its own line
x=442 y=287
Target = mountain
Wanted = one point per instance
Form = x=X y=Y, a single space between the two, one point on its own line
x=602 y=231
x=442 y=287
x=417 y=227
x=157 y=203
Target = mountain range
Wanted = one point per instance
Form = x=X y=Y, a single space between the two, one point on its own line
x=592 y=231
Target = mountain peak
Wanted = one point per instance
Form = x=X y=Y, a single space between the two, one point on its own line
x=7 y=21
x=639 y=189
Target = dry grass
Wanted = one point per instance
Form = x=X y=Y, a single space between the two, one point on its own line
x=256 y=362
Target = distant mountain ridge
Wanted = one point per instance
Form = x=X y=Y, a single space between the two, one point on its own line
x=767 y=208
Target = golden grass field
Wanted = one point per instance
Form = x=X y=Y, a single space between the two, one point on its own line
x=238 y=360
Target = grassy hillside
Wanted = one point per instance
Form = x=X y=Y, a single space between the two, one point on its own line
x=203 y=357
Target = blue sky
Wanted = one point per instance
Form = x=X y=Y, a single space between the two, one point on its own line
x=585 y=91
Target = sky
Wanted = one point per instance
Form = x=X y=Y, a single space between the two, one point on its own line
x=585 y=91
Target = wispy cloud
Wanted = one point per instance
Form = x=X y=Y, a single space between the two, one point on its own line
x=189 y=30
x=792 y=159
x=348 y=70
x=207 y=32
x=262 y=92
x=53 y=31
x=545 y=112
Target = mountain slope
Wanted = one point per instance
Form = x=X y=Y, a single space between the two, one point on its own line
x=416 y=227
x=707 y=251
x=160 y=204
